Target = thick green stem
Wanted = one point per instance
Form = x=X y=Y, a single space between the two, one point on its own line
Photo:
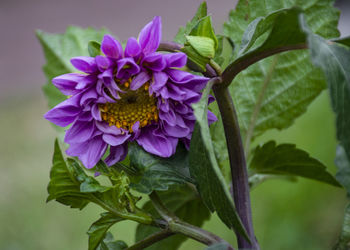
x=175 y=225
x=240 y=185
x=242 y=63
x=150 y=240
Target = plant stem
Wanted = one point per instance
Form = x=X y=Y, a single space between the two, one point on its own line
x=244 y=62
x=239 y=173
x=169 y=46
x=215 y=66
x=175 y=225
x=154 y=238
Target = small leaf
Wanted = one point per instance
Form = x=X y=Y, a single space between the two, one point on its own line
x=195 y=61
x=286 y=159
x=63 y=186
x=156 y=173
x=99 y=228
x=205 y=170
x=344 y=239
x=204 y=28
x=183 y=31
x=90 y=185
x=203 y=45
x=186 y=204
x=94 y=48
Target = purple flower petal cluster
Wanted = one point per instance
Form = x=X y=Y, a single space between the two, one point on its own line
x=135 y=94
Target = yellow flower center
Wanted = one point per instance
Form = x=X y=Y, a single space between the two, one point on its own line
x=133 y=106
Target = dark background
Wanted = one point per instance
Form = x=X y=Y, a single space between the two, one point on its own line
x=302 y=215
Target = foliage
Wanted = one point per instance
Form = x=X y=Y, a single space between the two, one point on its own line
x=273 y=92
x=158 y=174
x=270 y=86
x=186 y=204
x=286 y=159
x=205 y=170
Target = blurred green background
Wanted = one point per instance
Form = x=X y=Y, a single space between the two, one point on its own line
x=301 y=215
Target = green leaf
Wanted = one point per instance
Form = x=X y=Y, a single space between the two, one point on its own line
x=270 y=32
x=205 y=170
x=343 y=164
x=273 y=92
x=183 y=31
x=90 y=185
x=59 y=49
x=195 y=61
x=201 y=44
x=63 y=185
x=344 y=239
x=204 y=46
x=94 y=48
x=334 y=60
x=204 y=28
x=156 y=173
x=286 y=159
x=186 y=204
x=71 y=186
x=99 y=228
x=109 y=243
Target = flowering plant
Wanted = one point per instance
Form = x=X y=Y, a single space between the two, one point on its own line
x=138 y=115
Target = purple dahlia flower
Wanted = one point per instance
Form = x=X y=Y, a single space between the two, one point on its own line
x=135 y=94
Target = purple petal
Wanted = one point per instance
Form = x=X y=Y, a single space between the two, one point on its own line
x=163 y=104
x=132 y=48
x=117 y=154
x=66 y=112
x=79 y=132
x=115 y=140
x=168 y=116
x=85 y=116
x=87 y=96
x=102 y=63
x=105 y=128
x=160 y=79
x=139 y=80
x=106 y=76
x=95 y=112
x=67 y=83
x=182 y=108
x=94 y=152
x=150 y=35
x=154 y=62
x=176 y=131
x=89 y=152
x=173 y=92
x=152 y=142
x=176 y=60
x=111 y=47
x=136 y=131
x=84 y=63
x=126 y=68
x=193 y=82
x=211 y=117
